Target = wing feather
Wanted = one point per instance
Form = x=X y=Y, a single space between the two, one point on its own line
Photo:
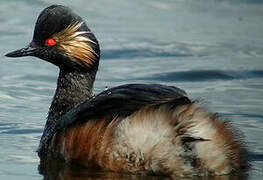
x=122 y=101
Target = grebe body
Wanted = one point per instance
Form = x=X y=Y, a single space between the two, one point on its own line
x=136 y=128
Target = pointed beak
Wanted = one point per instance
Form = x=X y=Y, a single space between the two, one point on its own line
x=27 y=51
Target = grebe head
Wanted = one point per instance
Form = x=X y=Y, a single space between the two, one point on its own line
x=62 y=38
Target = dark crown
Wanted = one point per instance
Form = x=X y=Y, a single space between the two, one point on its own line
x=62 y=38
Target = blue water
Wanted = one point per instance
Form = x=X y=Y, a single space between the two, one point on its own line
x=212 y=49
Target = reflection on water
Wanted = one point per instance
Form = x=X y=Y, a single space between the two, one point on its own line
x=58 y=170
x=204 y=75
x=153 y=48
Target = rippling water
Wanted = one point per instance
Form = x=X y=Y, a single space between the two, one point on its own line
x=211 y=49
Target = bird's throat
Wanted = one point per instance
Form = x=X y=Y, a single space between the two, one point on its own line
x=72 y=89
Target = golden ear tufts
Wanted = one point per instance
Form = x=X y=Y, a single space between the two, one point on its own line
x=76 y=46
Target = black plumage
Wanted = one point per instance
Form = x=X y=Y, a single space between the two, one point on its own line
x=123 y=101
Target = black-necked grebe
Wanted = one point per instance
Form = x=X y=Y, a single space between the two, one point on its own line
x=144 y=128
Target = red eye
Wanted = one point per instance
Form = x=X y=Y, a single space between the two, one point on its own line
x=50 y=42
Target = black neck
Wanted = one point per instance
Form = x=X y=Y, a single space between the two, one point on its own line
x=72 y=89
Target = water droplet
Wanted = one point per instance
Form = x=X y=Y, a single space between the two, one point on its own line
x=109 y=92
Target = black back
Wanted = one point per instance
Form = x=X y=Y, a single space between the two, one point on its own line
x=122 y=101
